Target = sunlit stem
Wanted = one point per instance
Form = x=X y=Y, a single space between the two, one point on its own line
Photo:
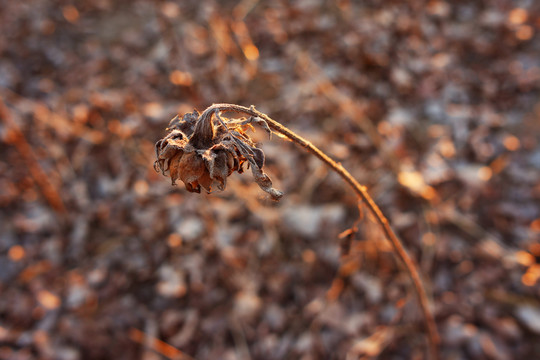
x=361 y=191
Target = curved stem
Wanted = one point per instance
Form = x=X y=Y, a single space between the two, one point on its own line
x=361 y=191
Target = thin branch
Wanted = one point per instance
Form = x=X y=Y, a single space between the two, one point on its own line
x=361 y=191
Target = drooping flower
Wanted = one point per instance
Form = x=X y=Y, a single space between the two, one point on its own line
x=201 y=153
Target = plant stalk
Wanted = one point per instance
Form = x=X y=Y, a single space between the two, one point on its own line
x=361 y=191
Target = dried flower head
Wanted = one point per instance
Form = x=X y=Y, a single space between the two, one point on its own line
x=202 y=153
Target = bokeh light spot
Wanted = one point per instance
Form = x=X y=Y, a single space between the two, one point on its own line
x=16 y=253
x=525 y=32
x=251 y=52
x=511 y=143
x=180 y=78
x=70 y=13
x=484 y=173
x=48 y=300
x=524 y=258
x=518 y=16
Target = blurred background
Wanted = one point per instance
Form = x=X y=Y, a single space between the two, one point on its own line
x=433 y=105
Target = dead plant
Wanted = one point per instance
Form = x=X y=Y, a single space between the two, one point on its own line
x=201 y=153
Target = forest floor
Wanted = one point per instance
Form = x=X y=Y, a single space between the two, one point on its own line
x=434 y=106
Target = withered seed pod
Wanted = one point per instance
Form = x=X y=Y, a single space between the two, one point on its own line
x=201 y=153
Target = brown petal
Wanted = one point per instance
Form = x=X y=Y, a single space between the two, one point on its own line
x=158 y=166
x=203 y=134
x=206 y=181
x=265 y=183
x=219 y=167
x=241 y=165
x=258 y=156
x=158 y=147
x=186 y=124
x=195 y=187
x=174 y=164
x=168 y=147
x=191 y=167
x=173 y=135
